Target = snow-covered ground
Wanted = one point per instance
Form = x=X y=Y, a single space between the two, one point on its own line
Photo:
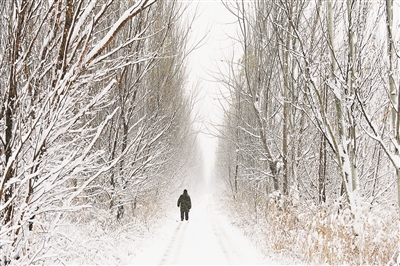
x=207 y=238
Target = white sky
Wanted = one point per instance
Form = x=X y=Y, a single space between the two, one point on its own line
x=215 y=24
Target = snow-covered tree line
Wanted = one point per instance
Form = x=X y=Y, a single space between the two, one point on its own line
x=93 y=115
x=312 y=126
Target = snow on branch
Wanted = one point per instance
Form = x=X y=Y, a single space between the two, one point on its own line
x=128 y=14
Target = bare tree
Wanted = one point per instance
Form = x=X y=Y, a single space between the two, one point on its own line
x=318 y=98
x=73 y=74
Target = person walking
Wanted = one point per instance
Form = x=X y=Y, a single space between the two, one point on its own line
x=185 y=203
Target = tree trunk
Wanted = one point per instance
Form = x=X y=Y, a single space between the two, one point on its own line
x=9 y=113
x=395 y=114
x=322 y=171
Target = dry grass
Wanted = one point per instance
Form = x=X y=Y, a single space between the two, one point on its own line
x=322 y=234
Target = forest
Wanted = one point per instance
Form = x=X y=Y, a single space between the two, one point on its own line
x=309 y=148
x=96 y=125
x=94 y=118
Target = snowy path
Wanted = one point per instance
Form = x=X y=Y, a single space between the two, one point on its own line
x=208 y=238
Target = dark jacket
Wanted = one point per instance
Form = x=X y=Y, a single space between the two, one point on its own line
x=184 y=202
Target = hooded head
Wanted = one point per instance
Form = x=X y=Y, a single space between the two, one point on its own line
x=185 y=191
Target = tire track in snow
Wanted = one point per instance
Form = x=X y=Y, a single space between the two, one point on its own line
x=173 y=250
x=226 y=244
x=178 y=247
x=228 y=247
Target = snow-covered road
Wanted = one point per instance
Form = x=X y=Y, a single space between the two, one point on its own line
x=208 y=238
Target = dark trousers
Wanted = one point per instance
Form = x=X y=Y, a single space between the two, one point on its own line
x=184 y=214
